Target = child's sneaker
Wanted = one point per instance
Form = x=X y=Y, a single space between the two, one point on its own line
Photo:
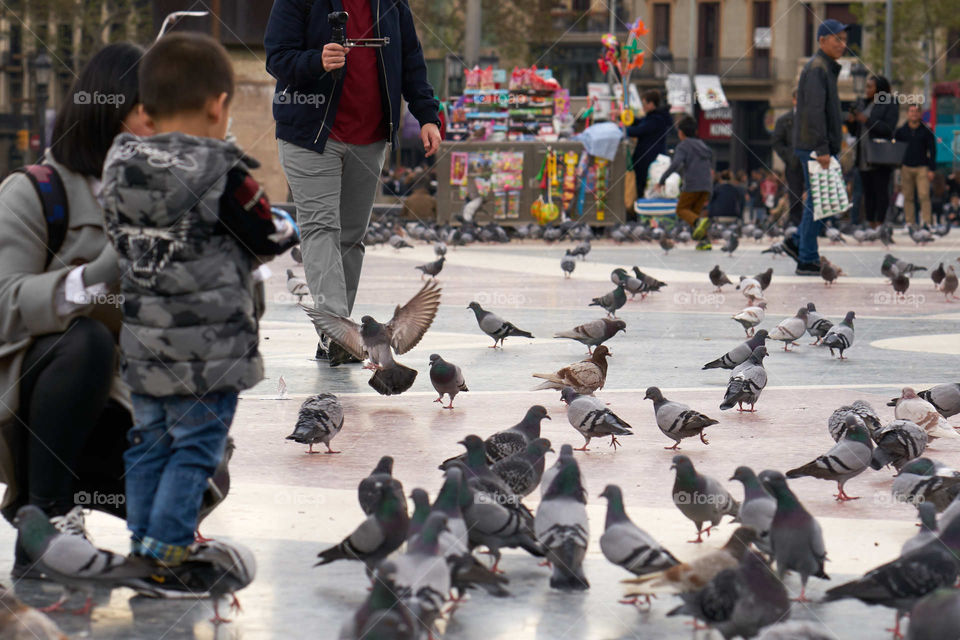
x=704 y=245
x=700 y=230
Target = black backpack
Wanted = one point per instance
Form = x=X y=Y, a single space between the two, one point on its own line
x=53 y=199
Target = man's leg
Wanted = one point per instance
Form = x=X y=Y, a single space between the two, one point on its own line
x=795 y=194
x=808 y=251
x=314 y=180
x=908 y=183
x=923 y=192
x=359 y=183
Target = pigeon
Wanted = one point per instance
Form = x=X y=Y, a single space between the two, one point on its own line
x=758 y=506
x=667 y=243
x=740 y=353
x=320 y=420
x=522 y=471
x=631 y=285
x=900 y=282
x=898 y=584
x=676 y=420
x=937 y=275
x=566 y=451
x=835 y=236
x=296 y=254
x=653 y=285
x=847 y=459
x=751 y=289
x=700 y=498
x=746 y=382
x=478 y=473
x=739 y=602
x=611 y=301
x=892 y=266
x=508 y=442
x=936 y=616
x=718 y=278
x=817 y=324
x=925 y=480
x=796 y=630
x=790 y=329
x=750 y=317
x=397 y=242
x=731 y=245
x=440 y=249
x=227 y=568
x=368 y=490
x=562 y=528
x=431 y=269
x=928 y=528
x=72 y=560
x=421 y=509
x=592 y=419
x=692 y=575
x=377 y=341
x=949 y=285
x=567 y=264
x=422 y=577
x=764 y=278
x=945 y=398
x=625 y=544
x=585 y=376
x=446 y=378
x=495 y=326
x=379 y=535
x=912 y=407
x=297 y=286
x=837 y=424
x=381 y=615
x=582 y=249
x=898 y=443
x=595 y=332
x=20 y=622
x=840 y=336
x=795 y=536
x=829 y=271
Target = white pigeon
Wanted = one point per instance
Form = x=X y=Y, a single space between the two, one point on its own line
x=751 y=288
x=912 y=407
x=790 y=329
x=750 y=317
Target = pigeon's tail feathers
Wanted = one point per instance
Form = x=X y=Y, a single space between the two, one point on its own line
x=302 y=433
x=532 y=546
x=735 y=391
x=552 y=381
x=393 y=380
x=334 y=553
x=516 y=331
x=880 y=458
x=715 y=364
x=567 y=572
x=573 y=335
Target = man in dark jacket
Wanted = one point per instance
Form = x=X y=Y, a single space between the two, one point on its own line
x=816 y=129
x=919 y=163
x=651 y=134
x=334 y=119
x=792 y=171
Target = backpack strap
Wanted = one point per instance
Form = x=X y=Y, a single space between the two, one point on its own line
x=53 y=199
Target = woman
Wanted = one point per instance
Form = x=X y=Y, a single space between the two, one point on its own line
x=63 y=412
x=874 y=116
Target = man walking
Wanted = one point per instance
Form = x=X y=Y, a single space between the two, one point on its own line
x=792 y=171
x=651 y=133
x=334 y=119
x=816 y=129
x=919 y=163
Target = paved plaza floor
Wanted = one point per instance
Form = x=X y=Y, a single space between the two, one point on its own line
x=287 y=505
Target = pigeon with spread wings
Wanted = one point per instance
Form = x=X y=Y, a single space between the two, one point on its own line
x=377 y=342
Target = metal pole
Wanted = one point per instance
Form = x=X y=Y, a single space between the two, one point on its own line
x=888 y=41
x=692 y=53
x=471 y=44
x=613 y=16
x=215 y=20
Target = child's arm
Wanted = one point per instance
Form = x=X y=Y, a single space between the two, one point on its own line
x=245 y=213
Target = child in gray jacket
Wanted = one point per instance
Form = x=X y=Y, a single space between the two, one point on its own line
x=693 y=159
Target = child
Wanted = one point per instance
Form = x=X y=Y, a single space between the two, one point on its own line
x=694 y=160
x=188 y=223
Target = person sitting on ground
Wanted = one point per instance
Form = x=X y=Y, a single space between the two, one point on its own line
x=188 y=223
x=693 y=159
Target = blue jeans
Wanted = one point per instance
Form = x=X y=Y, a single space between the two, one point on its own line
x=176 y=443
x=808 y=250
x=857 y=197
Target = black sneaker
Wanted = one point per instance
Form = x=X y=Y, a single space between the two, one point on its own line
x=808 y=269
x=337 y=355
x=790 y=248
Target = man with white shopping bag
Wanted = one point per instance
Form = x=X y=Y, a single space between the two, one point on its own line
x=817 y=131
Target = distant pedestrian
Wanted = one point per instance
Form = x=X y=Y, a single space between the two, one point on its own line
x=694 y=160
x=792 y=171
x=651 y=133
x=919 y=164
x=874 y=116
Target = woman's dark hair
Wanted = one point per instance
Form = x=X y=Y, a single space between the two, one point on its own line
x=93 y=113
x=882 y=84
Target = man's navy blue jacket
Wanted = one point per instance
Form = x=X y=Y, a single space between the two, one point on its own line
x=305 y=99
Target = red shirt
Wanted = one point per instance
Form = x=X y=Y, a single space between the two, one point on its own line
x=360 y=114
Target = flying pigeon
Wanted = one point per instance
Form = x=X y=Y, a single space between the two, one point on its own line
x=847 y=459
x=750 y=317
x=676 y=420
x=945 y=398
x=376 y=341
x=297 y=286
x=595 y=332
x=912 y=407
x=562 y=528
x=446 y=378
x=817 y=324
x=718 y=278
x=592 y=419
x=700 y=498
x=898 y=443
x=790 y=329
x=319 y=421
x=495 y=326
x=431 y=269
x=740 y=353
x=746 y=382
x=567 y=264
x=625 y=544
x=840 y=336
x=611 y=301
x=585 y=376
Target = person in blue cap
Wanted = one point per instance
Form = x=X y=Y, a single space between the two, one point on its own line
x=817 y=128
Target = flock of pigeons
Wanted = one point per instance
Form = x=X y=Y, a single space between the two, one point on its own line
x=423 y=562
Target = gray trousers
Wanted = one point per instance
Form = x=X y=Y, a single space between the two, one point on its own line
x=334 y=193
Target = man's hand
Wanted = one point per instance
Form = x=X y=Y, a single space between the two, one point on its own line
x=824 y=161
x=430 y=135
x=334 y=56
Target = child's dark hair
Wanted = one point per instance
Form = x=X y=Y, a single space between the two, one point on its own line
x=688 y=126
x=183 y=70
x=86 y=124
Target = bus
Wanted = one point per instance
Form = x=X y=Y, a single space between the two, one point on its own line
x=945 y=121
